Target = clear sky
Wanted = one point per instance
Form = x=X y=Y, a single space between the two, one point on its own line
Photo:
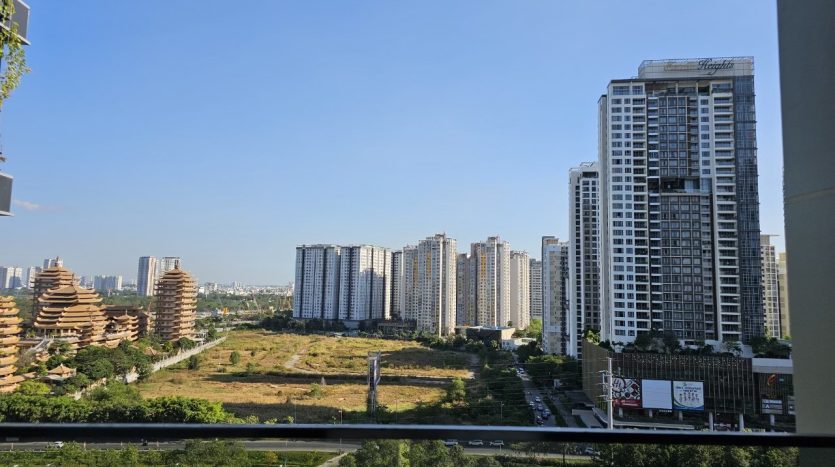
x=228 y=132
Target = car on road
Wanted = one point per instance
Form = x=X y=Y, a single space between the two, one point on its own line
x=497 y=443
x=538 y=399
x=532 y=404
x=590 y=452
x=450 y=442
x=475 y=442
x=58 y=444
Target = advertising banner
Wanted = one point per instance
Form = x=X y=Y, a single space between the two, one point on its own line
x=772 y=406
x=626 y=392
x=688 y=395
x=656 y=394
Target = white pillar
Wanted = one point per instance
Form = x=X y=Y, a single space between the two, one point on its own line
x=680 y=415
x=741 y=422
x=710 y=421
x=620 y=412
x=771 y=421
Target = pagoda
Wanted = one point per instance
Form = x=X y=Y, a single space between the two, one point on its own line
x=175 y=305
x=71 y=313
x=9 y=337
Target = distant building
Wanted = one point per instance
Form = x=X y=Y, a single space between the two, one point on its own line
x=770 y=287
x=436 y=292
x=783 y=285
x=146 y=276
x=175 y=305
x=316 y=293
x=410 y=283
x=536 y=289
x=490 y=281
x=168 y=263
x=11 y=277
x=53 y=262
x=554 y=295
x=464 y=311
x=397 y=284
x=364 y=283
x=583 y=288
x=350 y=283
x=520 y=289
x=31 y=273
x=107 y=283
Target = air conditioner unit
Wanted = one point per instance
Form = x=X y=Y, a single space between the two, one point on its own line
x=5 y=194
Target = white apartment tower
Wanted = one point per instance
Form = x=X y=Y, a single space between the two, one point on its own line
x=770 y=288
x=11 y=277
x=316 y=290
x=410 y=283
x=436 y=293
x=364 y=283
x=397 y=284
x=490 y=281
x=554 y=300
x=464 y=304
x=536 y=289
x=520 y=289
x=782 y=281
x=145 y=276
x=167 y=263
x=583 y=291
x=679 y=211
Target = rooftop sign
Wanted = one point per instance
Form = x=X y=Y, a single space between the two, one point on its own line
x=694 y=68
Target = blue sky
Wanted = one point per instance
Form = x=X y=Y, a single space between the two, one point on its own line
x=228 y=132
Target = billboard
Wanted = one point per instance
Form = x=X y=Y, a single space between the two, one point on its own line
x=772 y=406
x=656 y=394
x=626 y=392
x=688 y=395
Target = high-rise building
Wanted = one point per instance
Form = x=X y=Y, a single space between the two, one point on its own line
x=9 y=337
x=167 y=263
x=555 y=336
x=175 y=305
x=783 y=285
x=397 y=284
x=490 y=281
x=770 y=287
x=583 y=290
x=316 y=291
x=146 y=276
x=365 y=282
x=31 y=273
x=464 y=310
x=536 y=289
x=107 y=283
x=52 y=262
x=436 y=285
x=680 y=212
x=11 y=277
x=520 y=289
x=410 y=283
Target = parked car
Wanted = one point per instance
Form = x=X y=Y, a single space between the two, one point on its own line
x=58 y=444
x=497 y=443
x=475 y=442
x=450 y=442
x=538 y=399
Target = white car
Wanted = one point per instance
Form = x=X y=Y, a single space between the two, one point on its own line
x=475 y=442
x=450 y=442
x=58 y=444
x=497 y=443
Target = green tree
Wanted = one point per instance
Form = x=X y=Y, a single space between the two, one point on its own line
x=33 y=388
x=11 y=54
x=457 y=391
x=234 y=357
x=382 y=453
x=194 y=362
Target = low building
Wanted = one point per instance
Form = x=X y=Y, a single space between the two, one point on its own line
x=60 y=373
x=143 y=319
x=487 y=333
x=516 y=342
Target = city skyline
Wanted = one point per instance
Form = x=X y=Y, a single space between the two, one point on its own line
x=503 y=100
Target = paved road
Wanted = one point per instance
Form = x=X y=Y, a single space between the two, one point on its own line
x=531 y=393
x=278 y=445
